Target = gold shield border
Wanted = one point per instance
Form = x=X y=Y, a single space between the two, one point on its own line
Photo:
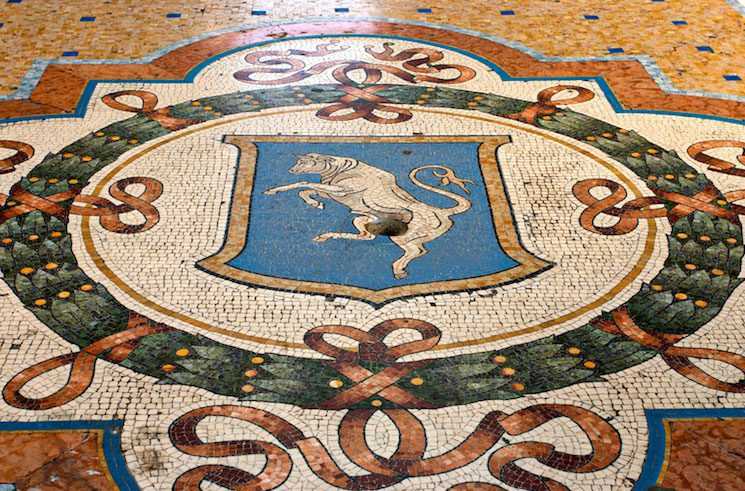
x=502 y=218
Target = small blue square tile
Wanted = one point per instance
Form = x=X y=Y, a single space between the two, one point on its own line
x=658 y=1
x=87 y=19
x=615 y=50
x=706 y=49
x=680 y=23
x=591 y=17
x=1 y=24
x=173 y=15
x=506 y=12
x=424 y=11
x=258 y=12
x=341 y=10
x=731 y=77
x=15 y=1
x=69 y=53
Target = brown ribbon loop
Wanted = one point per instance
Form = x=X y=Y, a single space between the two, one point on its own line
x=362 y=103
x=373 y=348
x=628 y=215
x=546 y=96
x=697 y=152
x=546 y=103
x=109 y=213
x=80 y=378
x=183 y=433
x=600 y=433
x=630 y=212
x=26 y=202
x=423 y=65
x=82 y=368
x=23 y=153
x=279 y=61
x=408 y=460
x=360 y=100
x=148 y=102
x=678 y=358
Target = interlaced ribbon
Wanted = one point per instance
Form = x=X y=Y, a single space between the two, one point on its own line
x=678 y=358
x=628 y=215
x=373 y=349
x=280 y=61
x=407 y=460
x=114 y=348
x=108 y=212
x=621 y=322
x=547 y=104
x=24 y=152
x=697 y=151
x=425 y=64
x=361 y=99
x=26 y=202
x=630 y=212
x=362 y=103
x=148 y=102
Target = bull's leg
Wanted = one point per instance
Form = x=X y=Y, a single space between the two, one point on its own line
x=287 y=187
x=317 y=187
x=307 y=196
x=359 y=224
x=412 y=250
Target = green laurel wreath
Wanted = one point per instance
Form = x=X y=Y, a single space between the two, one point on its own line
x=89 y=312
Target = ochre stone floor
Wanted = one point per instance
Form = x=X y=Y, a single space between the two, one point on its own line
x=383 y=244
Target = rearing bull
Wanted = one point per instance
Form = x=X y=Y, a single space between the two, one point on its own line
x=373 y=194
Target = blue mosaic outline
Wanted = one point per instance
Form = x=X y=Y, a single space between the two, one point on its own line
x=111 y=443
x=656 y=448
x=38 y=67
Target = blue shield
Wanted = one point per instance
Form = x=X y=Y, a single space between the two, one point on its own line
x=271 y=236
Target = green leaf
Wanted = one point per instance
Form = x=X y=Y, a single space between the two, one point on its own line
x=24 y=256
x=33 y=223
x=282 y=386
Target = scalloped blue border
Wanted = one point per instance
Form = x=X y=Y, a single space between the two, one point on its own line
x=112 y=444
x=34 y=74
x=82 y=105
x=656 y=448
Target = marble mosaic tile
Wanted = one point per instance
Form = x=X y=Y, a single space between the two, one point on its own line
x=368 y=255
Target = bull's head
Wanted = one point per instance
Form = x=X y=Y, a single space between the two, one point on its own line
x=313 y=163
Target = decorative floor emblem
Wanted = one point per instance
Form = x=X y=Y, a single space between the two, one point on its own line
x=432 y=187
x=99 y=237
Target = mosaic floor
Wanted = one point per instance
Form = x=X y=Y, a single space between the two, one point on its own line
x=371 y=245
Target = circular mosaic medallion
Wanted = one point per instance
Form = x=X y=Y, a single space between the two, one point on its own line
x=269 y=195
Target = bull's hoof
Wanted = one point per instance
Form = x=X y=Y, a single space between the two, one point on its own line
x=401 y=275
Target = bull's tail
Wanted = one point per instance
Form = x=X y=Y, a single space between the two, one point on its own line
x=447 y=176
